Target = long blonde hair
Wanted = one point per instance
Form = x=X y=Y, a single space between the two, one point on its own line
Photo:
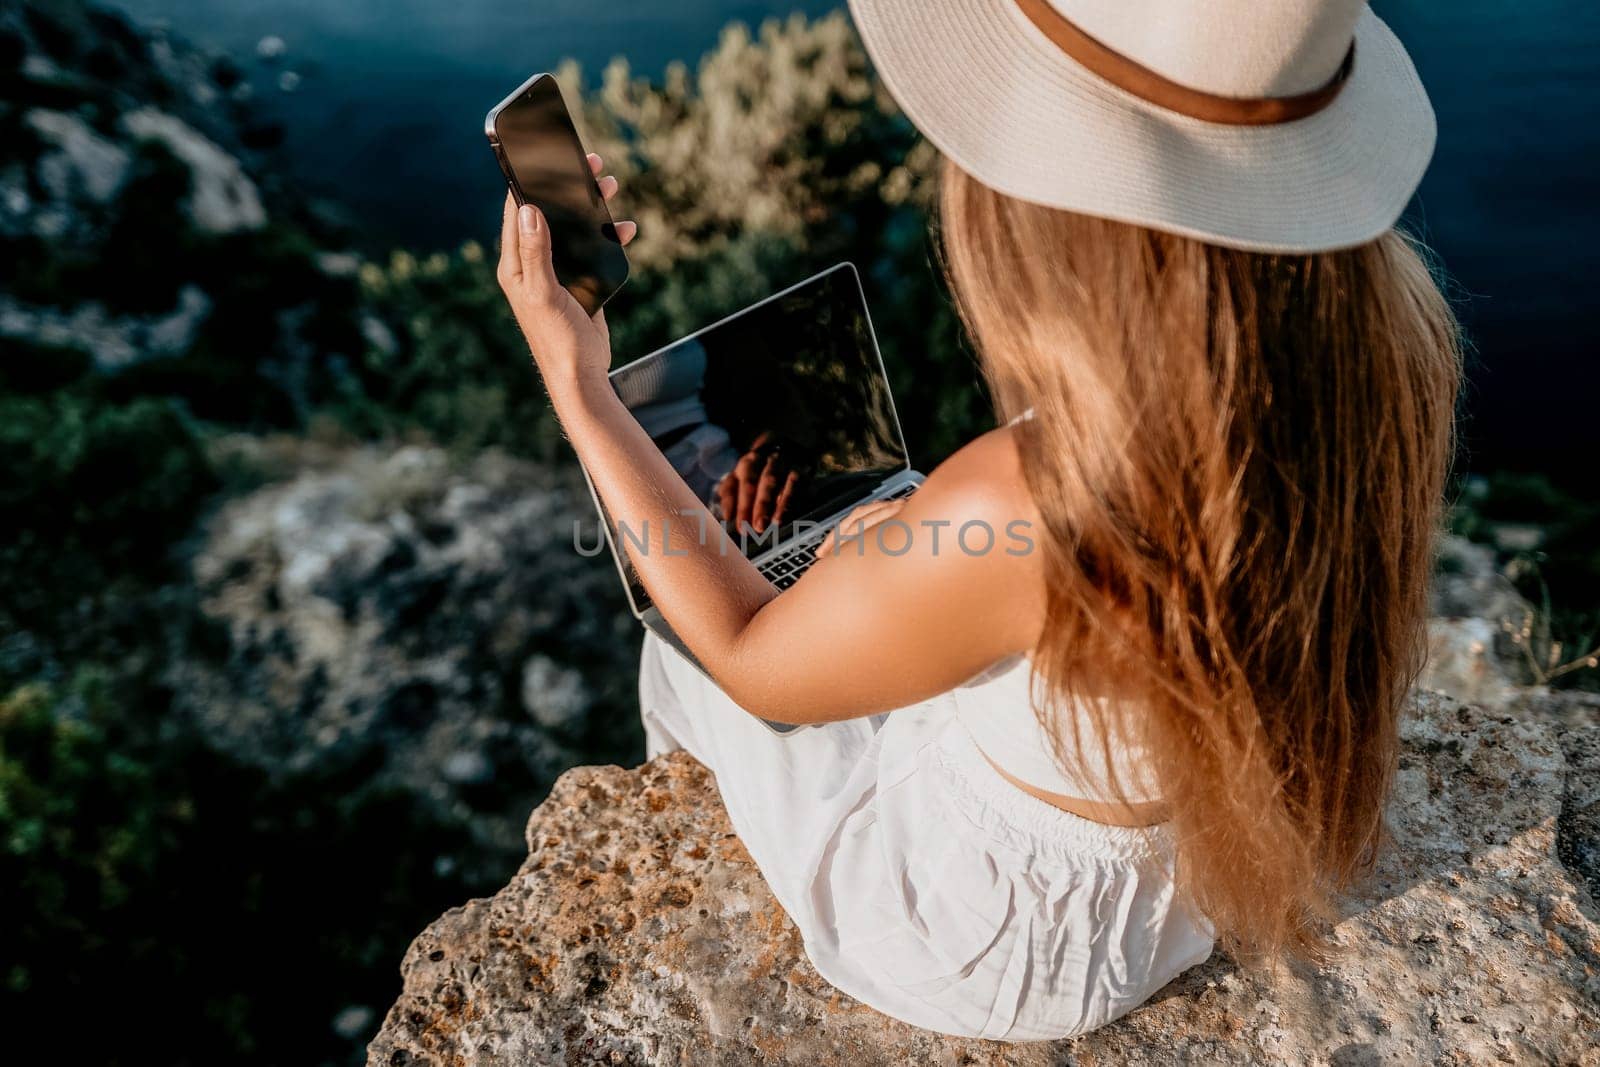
x=1239 y=459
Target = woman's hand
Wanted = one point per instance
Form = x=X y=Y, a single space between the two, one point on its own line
x=857 y=523
x=756 y=493
x=570 y=348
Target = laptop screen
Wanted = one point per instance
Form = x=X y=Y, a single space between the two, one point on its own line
x=777 y=416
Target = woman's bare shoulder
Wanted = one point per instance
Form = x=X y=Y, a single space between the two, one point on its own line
x=985 y=477
x=983 y=484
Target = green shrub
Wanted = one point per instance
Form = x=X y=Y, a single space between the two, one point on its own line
x=142 y=876
x=98 y=494
x=443 y=358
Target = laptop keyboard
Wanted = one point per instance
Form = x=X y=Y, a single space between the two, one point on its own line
x=784 y=569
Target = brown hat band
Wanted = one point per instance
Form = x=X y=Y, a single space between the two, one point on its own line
x=1146 y=84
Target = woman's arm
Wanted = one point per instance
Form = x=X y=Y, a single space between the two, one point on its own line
x=906 y=612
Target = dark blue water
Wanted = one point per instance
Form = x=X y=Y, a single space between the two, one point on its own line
x=1510 y=203
x=388 y=118
x=388 y=114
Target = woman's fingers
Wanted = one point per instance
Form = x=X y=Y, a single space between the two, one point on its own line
x=510 y=259
x=745 y=474
x=766 y=494
x=627 y=229
x=858 y=522
x=533 y=248
x=784 y=497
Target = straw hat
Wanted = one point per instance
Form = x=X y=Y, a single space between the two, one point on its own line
x=1277 y=125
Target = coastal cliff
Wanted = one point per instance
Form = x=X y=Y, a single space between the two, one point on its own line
x=294 y=636
x=639 y=932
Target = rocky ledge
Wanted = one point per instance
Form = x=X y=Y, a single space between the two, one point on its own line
x=639 y=932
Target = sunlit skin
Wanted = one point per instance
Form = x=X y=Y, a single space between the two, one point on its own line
x=877 y=629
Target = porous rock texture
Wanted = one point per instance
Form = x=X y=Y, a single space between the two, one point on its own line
x=639 y=932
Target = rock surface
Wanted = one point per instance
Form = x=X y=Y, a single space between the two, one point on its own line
x=422 y=623
x=639 y=932
x=222 y=199
x=106 y=124
x=1470 y=652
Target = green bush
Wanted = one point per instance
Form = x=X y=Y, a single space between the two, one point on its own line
x=130 y=255
x=273 y=347
x=146 y=879
x=443 y=358
x=100 y=493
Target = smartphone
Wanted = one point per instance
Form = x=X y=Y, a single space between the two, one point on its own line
x=533 y=137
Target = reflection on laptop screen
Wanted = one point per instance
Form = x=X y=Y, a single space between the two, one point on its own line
x=775 y=417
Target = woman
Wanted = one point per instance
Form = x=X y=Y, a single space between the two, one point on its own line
x=1228 y=387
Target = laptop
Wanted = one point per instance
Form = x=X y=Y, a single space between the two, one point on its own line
x=791 y=389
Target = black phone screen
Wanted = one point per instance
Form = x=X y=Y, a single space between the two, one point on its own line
x=546 y=166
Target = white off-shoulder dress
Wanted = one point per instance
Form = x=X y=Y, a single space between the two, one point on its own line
x=924 y=883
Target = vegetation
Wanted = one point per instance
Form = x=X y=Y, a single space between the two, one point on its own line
x=142 y=869
x=439 y=359
x=147 y=881
x=149 y=877
x=1550 y=538
x=778 y=156
x=775 y=159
